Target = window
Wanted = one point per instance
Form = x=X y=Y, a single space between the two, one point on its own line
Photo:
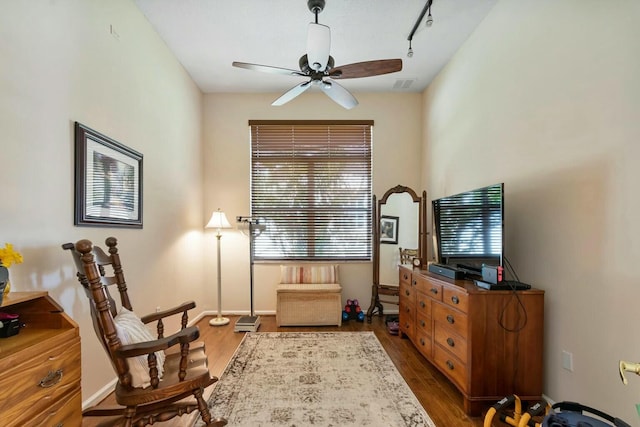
x=311 y=188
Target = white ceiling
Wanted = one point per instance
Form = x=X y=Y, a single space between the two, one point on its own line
x=208 y=35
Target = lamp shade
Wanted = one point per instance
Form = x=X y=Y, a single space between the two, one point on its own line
x=218 y=220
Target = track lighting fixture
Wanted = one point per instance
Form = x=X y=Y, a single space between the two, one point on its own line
x=428 y=22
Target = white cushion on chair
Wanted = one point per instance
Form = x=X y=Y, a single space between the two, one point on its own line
x=131 y=330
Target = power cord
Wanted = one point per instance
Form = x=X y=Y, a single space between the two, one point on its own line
x=521 y=309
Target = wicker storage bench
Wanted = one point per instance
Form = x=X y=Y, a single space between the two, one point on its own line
x=309 y=295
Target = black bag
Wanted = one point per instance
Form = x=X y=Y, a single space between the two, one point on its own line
x=571 y=415
x=9 y=325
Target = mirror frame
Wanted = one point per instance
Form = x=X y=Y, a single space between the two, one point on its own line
x=422 y=227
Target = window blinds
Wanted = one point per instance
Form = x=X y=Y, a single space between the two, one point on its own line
x=311 y=187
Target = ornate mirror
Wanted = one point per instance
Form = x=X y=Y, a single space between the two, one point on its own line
x=400 y=219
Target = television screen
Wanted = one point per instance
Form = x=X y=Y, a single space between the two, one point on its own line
x=469 y=229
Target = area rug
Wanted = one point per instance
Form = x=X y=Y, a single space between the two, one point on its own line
x=324 y=379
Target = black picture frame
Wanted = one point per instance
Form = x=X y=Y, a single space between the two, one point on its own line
x=389 y=229
x=108 y=181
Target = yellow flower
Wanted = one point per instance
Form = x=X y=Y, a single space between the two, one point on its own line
x=9 y=256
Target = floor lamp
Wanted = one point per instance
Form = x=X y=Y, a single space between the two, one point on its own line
x=219 y=221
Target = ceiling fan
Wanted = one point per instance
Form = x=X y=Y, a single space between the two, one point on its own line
x=317 y=65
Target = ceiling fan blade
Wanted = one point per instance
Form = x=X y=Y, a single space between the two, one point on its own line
x=366 y=69
x=318 y=46
x=292 y=93
x=339 y=94
x=268 y=69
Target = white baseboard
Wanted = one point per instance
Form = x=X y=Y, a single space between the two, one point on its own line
x=547 y=399
x=100 y=395
x=232 y=313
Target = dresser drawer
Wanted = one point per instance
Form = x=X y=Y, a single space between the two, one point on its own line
x=450 y=366
x=67 y=412
x=33 y=386
x=456 y=298
x=406 y=317
x=423 y=343
x=423 y=304
x=453 y=319
x=407 y=293
x=430 y=287
x=405 y=276
x=451 y=341
x=423 y=322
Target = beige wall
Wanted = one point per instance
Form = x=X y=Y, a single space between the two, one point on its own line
x=545 y=97
x=396 y=140
x=60 y=64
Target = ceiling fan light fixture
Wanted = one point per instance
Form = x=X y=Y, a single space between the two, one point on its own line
x=317 y=64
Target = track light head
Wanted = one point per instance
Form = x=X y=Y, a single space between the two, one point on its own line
x=409 y=53
x=429 y=21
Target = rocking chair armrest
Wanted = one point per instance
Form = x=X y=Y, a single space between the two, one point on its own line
x=185 y=306
x=183 y=336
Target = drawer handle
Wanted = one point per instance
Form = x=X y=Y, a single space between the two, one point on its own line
x=450 y=364
x=422 y=342
x=450 y=319
x=59 y=425
x=434 y=291
x=422 y=323
x=422 y=304
x=405 y=277
x=455 y=299
x=407 y=292
x=51 y=379
x=451 y=342
x=414 y=283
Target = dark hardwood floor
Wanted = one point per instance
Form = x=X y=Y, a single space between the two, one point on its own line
x=438 y=396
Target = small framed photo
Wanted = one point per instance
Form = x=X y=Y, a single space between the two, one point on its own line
x=108 y=181
x=389 y=229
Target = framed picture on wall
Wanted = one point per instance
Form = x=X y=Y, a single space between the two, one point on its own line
x=108 y=181
x=389 y=229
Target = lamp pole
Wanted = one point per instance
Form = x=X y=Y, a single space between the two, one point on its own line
x=219 y=320
x=219 y=221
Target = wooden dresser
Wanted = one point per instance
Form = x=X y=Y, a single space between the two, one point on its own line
x=40 y=366
x=488 y=343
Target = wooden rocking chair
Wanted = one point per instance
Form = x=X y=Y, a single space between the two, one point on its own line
x=185 y=367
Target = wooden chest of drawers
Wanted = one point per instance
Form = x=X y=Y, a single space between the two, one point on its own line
x=488 y=343
x=40 y=367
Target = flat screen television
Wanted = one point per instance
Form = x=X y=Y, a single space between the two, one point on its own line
x=469 y=229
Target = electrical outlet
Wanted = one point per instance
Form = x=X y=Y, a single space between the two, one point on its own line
x=567 y=361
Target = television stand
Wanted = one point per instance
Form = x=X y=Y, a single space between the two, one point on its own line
x=477 y=338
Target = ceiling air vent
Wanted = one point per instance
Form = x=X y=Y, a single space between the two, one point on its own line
x=403 y=83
